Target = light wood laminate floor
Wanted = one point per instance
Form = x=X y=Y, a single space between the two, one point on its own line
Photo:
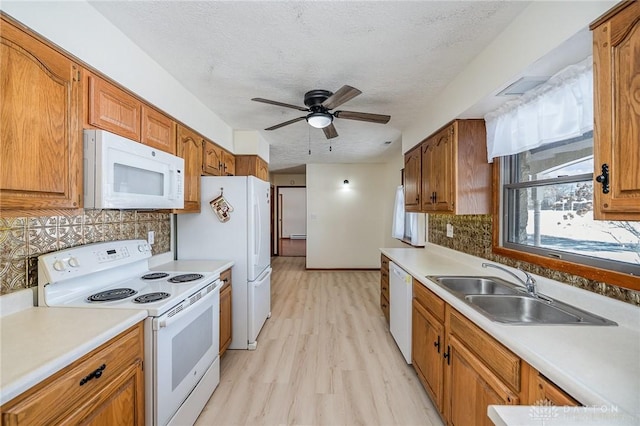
x=325 y=357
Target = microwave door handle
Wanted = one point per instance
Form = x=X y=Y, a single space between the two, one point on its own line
x=172 y=184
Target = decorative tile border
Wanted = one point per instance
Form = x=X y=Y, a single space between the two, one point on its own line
x=23 y=239
x=472 y=235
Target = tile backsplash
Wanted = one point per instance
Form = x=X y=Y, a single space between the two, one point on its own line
x=472 y=235
x=23 y=239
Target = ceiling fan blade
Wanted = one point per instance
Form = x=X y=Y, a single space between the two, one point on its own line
x=344 y=94
x=330 y=131
x=363 y=116
x=286 y=123
x=282 y=104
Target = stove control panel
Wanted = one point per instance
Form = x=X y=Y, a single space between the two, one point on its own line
x=82 y=260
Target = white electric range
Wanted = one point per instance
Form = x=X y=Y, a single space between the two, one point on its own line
x=182 y=366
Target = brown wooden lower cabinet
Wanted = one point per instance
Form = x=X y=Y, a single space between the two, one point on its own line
x=113 y=396
x=225 y=311
x=384 y=286
x=464 y=369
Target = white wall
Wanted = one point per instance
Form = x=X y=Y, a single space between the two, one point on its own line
x=294 y=211
x=288 y=180
x=250 y=142
x=79 y=29
x=347 y=224
x=540 y=28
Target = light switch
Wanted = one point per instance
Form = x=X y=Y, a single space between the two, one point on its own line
x=151 y=236
x=449 y=230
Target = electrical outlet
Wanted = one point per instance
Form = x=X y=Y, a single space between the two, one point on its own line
x=449 y=230
x=151 y=237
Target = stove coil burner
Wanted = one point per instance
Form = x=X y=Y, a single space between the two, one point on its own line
x=151 y=297
x=185 y=278
x=154 y=276
x=110 y=295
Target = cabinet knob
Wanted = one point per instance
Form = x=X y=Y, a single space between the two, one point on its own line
x=93 y=375
x=437 y=344
x=604 y=178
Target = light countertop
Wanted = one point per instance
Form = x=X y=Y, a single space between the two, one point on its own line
x=597 y=365
x=39 y=341
x=215 y=266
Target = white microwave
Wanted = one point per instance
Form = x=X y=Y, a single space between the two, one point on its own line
x=123 y=174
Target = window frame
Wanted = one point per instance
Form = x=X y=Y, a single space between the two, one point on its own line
x=607 y=276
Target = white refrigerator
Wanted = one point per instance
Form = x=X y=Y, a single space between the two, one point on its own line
x=243 y=238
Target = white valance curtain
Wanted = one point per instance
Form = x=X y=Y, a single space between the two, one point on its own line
x=558 y=109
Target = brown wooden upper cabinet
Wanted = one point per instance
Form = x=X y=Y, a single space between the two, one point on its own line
x=189 y=146
x=412 y=178
x=616 y=57
x=212 y=164
x=448 y=172
x=158 y=130
x=113 y=109
x=252 y=165
x=41 y=133
x=228 y=163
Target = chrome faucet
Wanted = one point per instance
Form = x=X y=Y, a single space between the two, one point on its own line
x=529 y=284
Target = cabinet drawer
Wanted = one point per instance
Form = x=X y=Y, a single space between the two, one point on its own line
x=497 y=358
x=68 y=389
x=429 y=300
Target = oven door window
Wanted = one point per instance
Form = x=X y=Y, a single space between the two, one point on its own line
x=186 y=346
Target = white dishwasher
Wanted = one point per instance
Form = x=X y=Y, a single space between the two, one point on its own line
x=400 y=295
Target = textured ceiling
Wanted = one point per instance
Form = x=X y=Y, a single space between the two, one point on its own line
x=399 y=54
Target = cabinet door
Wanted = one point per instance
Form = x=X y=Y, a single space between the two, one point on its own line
x=211 y=159
x=158 y=130
x=442 y=172
x=225 y=318
x=546 y=392
x=472 y=387
x=263 y=169
x=616 y=55
x=428 y=164
x=113 y=109
x=229 y=163
x=412 y=173
x=427 y=351
x=41 y=134
x=189 y=147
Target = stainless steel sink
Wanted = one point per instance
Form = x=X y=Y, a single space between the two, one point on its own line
x=463 y=285
x=505 y=302
x=524 y=309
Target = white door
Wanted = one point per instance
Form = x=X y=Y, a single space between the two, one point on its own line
x=259 y=256
x=259 y=305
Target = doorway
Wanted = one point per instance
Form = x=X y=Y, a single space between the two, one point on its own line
x=292 y=221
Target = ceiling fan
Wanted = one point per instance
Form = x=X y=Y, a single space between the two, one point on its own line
x=319 y=103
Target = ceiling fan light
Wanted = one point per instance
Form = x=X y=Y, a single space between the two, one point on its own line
x=319 y=120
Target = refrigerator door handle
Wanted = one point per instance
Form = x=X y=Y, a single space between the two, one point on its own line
x=264 y=275
x=258 y=235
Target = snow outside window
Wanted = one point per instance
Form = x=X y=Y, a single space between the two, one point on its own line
x=547 y=208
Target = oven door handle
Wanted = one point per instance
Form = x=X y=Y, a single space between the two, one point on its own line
x=166 y=320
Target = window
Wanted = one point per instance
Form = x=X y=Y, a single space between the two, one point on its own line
x=547 y=209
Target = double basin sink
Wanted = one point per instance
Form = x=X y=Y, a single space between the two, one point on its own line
x=504 y=302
